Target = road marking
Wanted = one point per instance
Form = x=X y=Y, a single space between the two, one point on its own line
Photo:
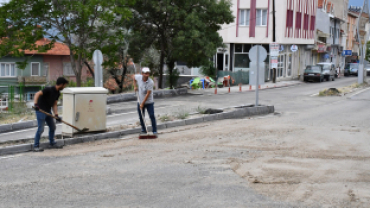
x=9 y=157
x=360 y=92
x=114 y=115
x=314 y=94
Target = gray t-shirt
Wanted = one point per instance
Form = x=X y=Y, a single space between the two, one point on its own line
x=144 y=87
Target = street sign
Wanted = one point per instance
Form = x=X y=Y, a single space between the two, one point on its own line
x=257 y=54
x=274 y=62
x=294 y=48
x=274 y=49
x=347 y=52
x=98 y=60
x=253 y=53
x=281 y=48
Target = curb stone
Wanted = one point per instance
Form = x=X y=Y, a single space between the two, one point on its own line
x=175 y=124
x=211 y=117
x=194 y=121
x=108 y=135
x=6 y=128
x=238 y=113
x=15 y=149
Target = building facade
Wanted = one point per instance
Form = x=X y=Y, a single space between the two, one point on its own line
x=294 y=25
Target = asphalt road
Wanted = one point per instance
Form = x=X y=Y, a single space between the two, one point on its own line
x=202 y=165
x=189 y=103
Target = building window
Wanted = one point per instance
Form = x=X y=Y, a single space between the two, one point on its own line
x=35 y=69
x=3 y=103
x=67 y=69
x=8 y=70
x=261 y=17
x=244 y=17
x=46 y=69
x=30 y=96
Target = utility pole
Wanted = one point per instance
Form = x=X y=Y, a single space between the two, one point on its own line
x=361 y=73
x=273 y=22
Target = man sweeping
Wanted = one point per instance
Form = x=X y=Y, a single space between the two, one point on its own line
x=46 y=100
x=144 y=85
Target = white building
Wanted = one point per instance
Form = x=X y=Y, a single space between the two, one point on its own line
x=253 y=25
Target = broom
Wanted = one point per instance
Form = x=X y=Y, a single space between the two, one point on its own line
x=147 y=136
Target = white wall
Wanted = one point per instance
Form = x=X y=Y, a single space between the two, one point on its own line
x=228 y=32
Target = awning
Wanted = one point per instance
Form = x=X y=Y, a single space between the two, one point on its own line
x=322 y=34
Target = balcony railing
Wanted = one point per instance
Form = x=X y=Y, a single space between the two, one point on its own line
x=32 y=79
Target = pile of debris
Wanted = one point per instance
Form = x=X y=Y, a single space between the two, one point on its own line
x=330 y=92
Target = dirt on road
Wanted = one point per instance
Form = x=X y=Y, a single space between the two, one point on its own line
x=280 y=159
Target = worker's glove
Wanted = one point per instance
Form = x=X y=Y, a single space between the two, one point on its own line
x=36 y=107
x=59 y=119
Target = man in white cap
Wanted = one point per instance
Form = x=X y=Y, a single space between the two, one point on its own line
x=145 y=86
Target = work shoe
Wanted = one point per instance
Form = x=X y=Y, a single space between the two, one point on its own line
x=38 y=149
x=55 y=146
x=155 y=134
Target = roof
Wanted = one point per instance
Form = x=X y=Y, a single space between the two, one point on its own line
x=59 y=49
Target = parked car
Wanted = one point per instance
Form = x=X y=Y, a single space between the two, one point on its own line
x=313 y=73
x=329 y=70
x=351 y=69
x=368 y=71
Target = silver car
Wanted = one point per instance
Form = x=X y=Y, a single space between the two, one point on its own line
x=329 y=70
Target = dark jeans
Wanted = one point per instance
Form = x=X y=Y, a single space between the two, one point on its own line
x=150 y=109
x=41 y=119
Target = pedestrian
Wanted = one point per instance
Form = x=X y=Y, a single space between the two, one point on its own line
x=144 y=85
x=46 y=100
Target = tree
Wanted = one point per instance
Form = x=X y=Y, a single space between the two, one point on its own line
x=180 y=30
x=83 y=25
x=18 y=34
x=367 y=57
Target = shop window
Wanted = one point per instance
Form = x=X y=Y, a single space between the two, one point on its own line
x=238 y=48
x=242 y=61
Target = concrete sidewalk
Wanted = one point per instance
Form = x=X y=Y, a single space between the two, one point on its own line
x=244 y=88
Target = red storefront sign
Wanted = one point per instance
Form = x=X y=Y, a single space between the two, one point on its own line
x=321 y=48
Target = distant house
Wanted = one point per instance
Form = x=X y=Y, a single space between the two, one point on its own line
x=42 y=68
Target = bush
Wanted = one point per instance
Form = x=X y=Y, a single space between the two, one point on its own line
x=173 y=78
x=208 y=70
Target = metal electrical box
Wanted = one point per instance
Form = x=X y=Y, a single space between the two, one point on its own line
x=84 y=107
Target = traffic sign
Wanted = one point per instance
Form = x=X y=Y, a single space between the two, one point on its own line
x=347 y=52
x=253 y=53
x=294 y=48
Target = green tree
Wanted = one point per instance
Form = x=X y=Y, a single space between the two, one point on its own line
x=180 y=30
x=367 y=57
x=18 y=34
x=83 y=25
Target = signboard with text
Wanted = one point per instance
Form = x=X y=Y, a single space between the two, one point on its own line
x=275 y=48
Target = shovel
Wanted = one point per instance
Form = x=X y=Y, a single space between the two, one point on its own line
x=48 y=114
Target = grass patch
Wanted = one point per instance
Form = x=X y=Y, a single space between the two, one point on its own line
x=165 y=117
x=182 y=114
x=201 y=109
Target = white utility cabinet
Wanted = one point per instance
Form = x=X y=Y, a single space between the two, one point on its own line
x=84 y=107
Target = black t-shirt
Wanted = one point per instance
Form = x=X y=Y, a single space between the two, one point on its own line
x=48 y=98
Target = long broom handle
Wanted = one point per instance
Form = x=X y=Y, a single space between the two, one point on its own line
x=142 y=115
x=48 y=114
